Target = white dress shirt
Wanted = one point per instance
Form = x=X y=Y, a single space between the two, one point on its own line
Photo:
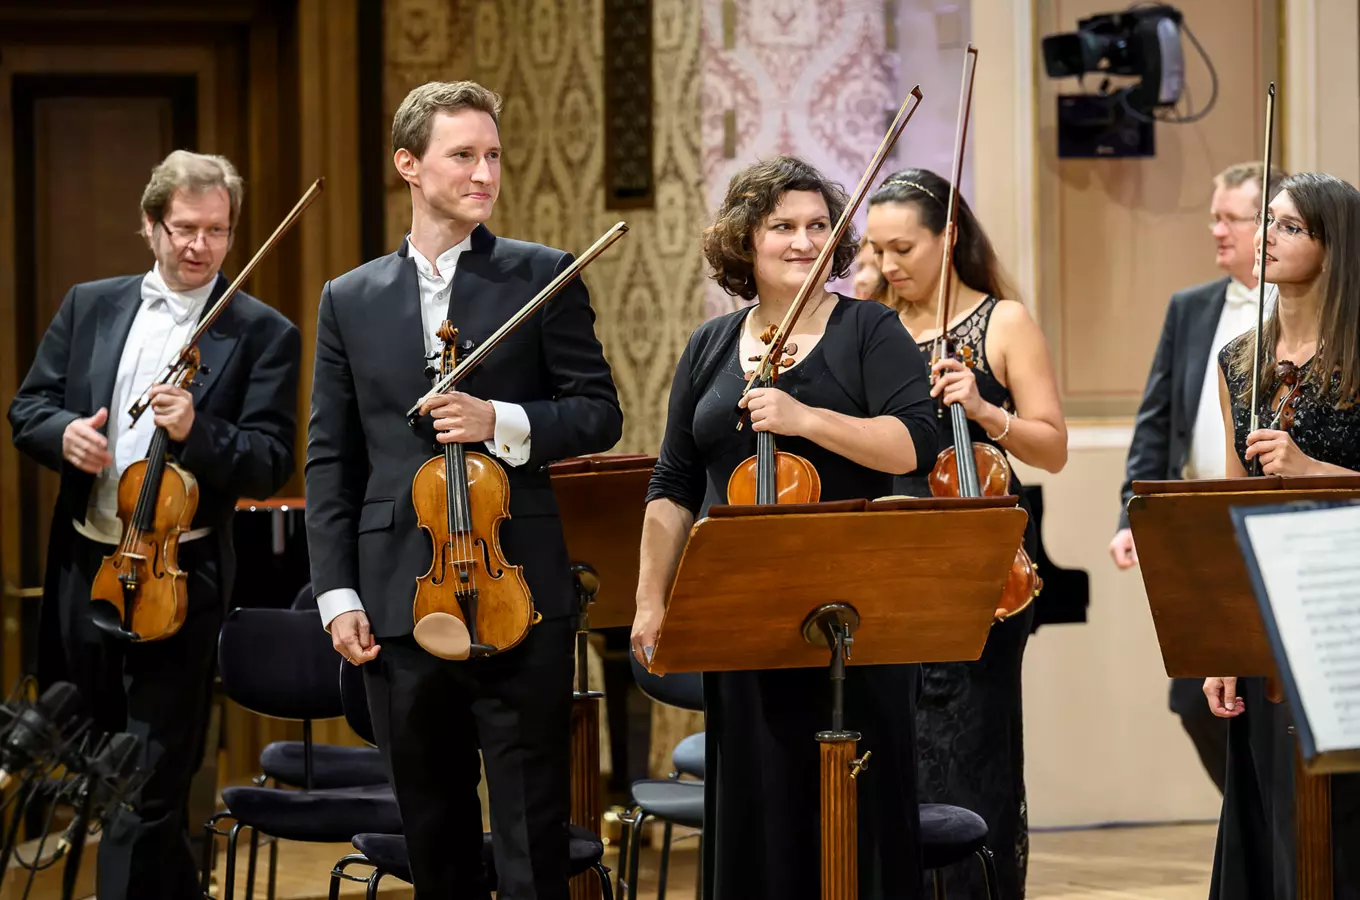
x=1208 y=441
x=510 y=442
x=159 y=329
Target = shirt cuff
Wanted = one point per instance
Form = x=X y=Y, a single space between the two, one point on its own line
x=510 y=444
x=332 y=603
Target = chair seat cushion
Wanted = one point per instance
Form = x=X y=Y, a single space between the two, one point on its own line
x=325 y=816
x=949 y=834
x=681 y=802
x=388 y=852
x=333 y=766
x=688 y=756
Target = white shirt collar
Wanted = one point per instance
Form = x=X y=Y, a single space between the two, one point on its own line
x=1239 y=293
x=445 y=263
x=183 y=305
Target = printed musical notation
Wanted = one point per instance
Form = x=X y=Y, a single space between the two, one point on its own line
x=1310 y=568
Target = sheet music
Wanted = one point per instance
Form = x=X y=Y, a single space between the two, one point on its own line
x=1310 y=565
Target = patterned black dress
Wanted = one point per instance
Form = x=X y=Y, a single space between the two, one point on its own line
x=969 y=731
x=1254 y=858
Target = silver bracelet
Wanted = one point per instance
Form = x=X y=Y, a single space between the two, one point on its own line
x=1005 y=431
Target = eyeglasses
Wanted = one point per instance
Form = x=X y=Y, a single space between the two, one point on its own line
x=1230 y=221
x=184 y=237
x=1289 y=229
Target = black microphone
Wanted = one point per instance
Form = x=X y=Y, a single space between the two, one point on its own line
x=35 y=733
x=109 y=777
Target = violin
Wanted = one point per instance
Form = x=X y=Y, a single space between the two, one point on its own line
x=139 y=592
x=773 y=476
x=968 y=468
x=776 y=476
x=471 y=601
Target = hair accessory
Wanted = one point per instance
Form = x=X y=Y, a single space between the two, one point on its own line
x=920 y=187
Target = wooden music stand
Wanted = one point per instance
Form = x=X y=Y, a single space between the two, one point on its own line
x=601 y=502
x=897 y=581
x=1196 y=579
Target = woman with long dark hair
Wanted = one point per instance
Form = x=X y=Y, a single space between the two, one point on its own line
x=1311 y=340
x=968 y=718
x=856 y=404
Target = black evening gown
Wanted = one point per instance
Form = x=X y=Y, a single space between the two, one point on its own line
x=1254 y=858
x=762 y=837
x=969 y=730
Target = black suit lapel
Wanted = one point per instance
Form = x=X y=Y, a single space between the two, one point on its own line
x=476 y=289
x=402 y=332
x=1200 y=325
x=112 y=326
x=216 y=345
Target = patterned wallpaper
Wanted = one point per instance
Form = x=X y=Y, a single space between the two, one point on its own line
x=545 y=58
x=813 y=80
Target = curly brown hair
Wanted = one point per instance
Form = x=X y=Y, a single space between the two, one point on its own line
x=752 y=195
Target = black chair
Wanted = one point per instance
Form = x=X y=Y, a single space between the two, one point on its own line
x=326 y=765
x=670 y=800
x=951 y=834
x=386 y=853
x=280 y=663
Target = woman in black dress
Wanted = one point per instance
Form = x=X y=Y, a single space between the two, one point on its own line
x=856 y=404
x=1313 y=256
x=968 y=717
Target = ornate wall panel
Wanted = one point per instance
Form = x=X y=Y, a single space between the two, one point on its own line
x=546 y=58
x=784 y=76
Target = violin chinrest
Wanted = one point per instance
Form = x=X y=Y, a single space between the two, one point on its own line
x=444 y=635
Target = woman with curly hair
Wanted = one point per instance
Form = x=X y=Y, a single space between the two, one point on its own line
x=856 y=404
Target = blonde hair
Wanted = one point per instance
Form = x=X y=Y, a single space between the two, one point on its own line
x=193 y=172
x=415 y=117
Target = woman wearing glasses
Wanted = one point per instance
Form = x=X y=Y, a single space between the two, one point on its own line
x=1310 y=347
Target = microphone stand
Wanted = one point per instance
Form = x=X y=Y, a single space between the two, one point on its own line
x=27 y=787
x=80 y=825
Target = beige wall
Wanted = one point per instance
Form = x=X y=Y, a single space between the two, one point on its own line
x=1098 y=247
x=1107 y=242
x=1100 y=743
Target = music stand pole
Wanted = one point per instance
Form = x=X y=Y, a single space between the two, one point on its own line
x=587 y=806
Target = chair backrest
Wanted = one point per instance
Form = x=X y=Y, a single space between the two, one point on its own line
x=354 y=697
x=305 y=599
x=682 y=689
x=280 y=663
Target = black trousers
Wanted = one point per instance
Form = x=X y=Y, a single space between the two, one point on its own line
x=160 y=691
x=1208 y=732
x=431 y=716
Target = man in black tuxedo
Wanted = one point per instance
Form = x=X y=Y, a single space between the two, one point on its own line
x=544 y=394
x=232 y=431
x=1178 y=432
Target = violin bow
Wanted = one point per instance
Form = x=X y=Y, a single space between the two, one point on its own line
x=183 y=359
x=1255 y=420
x=952 y=207
x=473 y=359
x=774 y=350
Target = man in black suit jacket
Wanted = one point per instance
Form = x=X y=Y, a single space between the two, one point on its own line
x=1178 y=432
x=232 y=431
x=544 y=394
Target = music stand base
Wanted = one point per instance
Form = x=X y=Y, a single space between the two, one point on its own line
x=833 y=625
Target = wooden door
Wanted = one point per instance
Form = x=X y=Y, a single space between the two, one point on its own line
x=83 y=148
